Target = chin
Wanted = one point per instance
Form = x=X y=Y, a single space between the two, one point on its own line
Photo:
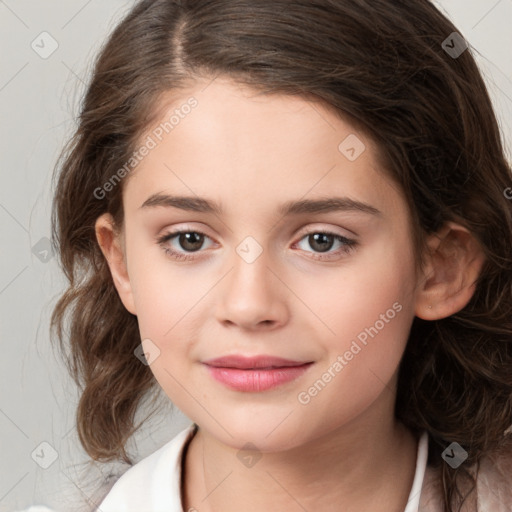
x=269 y=433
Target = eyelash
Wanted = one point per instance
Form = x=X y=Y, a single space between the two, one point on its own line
x=348 y=244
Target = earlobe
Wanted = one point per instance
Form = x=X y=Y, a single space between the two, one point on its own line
x=453 y=264
x=110 y=243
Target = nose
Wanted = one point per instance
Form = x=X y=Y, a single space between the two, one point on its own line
x=252 y=295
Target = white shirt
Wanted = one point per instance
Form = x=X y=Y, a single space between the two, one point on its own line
x=153 y=484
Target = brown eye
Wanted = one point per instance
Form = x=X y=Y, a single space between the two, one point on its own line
x=190 y=240
x=321 y=242
x=181 y=245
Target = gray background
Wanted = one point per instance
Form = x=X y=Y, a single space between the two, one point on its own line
x=39 y=101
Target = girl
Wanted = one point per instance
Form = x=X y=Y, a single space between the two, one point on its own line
x=295 y=219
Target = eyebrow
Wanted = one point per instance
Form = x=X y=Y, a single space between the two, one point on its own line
x=198 y=204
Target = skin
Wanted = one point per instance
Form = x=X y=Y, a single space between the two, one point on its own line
x=344 y=449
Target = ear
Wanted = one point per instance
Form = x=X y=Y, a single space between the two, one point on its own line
x=453 y=264
x=111 y=244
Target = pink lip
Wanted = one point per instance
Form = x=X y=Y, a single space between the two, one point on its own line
x=255 y=373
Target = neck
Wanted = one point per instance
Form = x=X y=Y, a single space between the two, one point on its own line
x=351 y=469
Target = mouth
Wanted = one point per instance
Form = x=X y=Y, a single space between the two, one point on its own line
x=254 y=374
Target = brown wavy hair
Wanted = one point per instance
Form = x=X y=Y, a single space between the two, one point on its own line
x=379 y=63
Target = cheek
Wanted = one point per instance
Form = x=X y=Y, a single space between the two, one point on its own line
x=170 y=301
x=167 y=316
x=163 y=293
x=375 y=288
x=359 y=364
x=368 y=311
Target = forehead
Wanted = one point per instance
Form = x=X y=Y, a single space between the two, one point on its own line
x=223 y=140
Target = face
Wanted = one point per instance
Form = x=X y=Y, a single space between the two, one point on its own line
x=272 y=272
